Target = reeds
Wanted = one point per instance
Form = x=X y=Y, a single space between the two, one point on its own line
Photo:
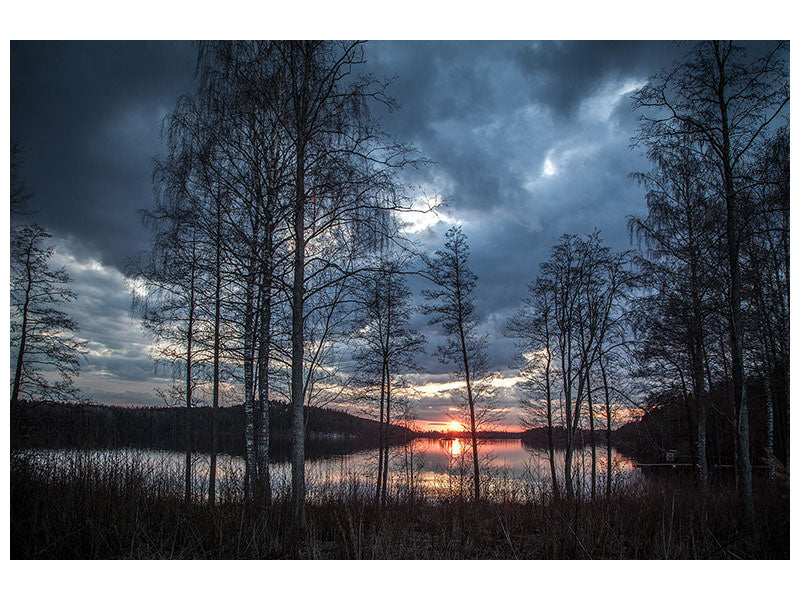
x=101 y=505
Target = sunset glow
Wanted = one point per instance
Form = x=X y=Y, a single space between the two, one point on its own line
x=454 y=426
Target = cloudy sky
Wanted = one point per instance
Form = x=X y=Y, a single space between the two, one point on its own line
x=528 y=141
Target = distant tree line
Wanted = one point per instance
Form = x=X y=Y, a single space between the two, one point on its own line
x=71 y=425
x=665 y=425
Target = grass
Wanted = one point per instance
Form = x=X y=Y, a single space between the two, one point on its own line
x=101 y=506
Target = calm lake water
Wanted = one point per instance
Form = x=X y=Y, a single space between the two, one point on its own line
x=432 y=468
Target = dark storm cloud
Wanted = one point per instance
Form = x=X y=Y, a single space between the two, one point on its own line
x=561 y=74
x=529 y=140
x=88 y=115
x=485 y=111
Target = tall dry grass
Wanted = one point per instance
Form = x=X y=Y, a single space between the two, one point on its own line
x=120 y=506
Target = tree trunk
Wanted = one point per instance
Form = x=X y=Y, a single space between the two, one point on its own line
x=698 y=391
x=249 y=401
x=187 y=497
x=24 y=330
x=298 y=395
x=265 y=322
x=550 y=445
x=388 y=425
x=566 y=369
x=472 y=428
x=212 y=471
x=701 y=450
x=386 y=436
x=590 y=406
x=572 y=428
x=768 y=352
x=691 y=416
x=743 y=467
x=608 y=429
x=568 y=451
x=770 y=428
x=380 y=436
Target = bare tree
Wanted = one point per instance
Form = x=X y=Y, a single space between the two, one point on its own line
x=168 y=292
x=386 y=346
x=341 y=185
x=451 y=306
x=681 y=237
x=43 y=335
x=610 y=306
x=765 y=280
x=570 y=324
x=564 y=274
x=534 y=330
x=288 y=181
x=225 y=170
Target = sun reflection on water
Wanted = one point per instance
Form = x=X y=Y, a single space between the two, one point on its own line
x=452 y=446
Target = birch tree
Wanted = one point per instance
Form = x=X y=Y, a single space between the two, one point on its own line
x=167 y=296
x=766 y=286
x=342 y=187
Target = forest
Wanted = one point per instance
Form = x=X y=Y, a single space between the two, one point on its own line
x=281 y=289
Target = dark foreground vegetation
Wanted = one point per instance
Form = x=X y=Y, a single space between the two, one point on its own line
x=91 y=510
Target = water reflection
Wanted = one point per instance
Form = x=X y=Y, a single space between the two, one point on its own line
x=453 y=446
x=426 y=468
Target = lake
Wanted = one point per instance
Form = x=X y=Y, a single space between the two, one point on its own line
x=431 y=469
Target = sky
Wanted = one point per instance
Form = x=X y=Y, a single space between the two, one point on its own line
x=527 y=141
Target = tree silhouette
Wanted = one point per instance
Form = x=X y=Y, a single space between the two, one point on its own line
x=681 y=237
x=43 y=335
x=451 y=306
x=570 y=326
x=727 y=102
x=385 y=347
x=343 y=191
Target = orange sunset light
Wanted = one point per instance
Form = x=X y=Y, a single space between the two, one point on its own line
x=454 y=426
